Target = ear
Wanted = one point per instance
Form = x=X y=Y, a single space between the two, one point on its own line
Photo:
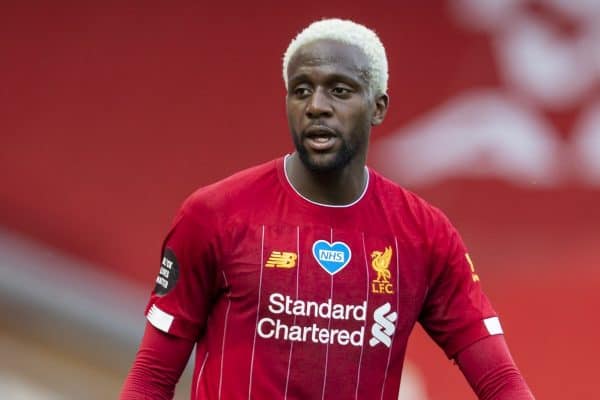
x=381 y=106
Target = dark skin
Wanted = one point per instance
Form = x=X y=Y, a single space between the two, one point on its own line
x=331 y=110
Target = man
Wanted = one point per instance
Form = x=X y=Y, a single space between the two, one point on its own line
x=302 y=278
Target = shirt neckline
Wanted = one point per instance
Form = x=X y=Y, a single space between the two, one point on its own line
x=288 y=183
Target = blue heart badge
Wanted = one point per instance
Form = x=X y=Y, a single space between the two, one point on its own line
x=332 y=257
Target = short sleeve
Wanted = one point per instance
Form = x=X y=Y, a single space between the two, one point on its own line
x=456 y=312
x=186 y=284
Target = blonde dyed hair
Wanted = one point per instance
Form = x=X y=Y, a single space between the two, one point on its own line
x=348 y=32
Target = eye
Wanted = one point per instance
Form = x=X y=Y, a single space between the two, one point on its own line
x=301 y=91
x=341 y=91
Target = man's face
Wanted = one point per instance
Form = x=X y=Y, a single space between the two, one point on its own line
x=330 y=108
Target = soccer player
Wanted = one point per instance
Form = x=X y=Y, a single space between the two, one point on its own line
x=302 y=278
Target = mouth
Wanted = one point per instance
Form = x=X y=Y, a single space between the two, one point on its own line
x=320 y=138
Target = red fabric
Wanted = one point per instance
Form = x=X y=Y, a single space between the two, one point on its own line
x=491 y=371
x=256 y=257
x=487 y=366
x=158 y=365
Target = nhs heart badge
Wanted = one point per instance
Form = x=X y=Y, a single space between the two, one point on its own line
x=332 y=257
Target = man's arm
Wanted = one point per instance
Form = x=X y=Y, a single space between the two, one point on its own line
x=158 y=365
x=491 y=371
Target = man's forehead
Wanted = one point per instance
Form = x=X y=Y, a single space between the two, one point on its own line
x=328 y=51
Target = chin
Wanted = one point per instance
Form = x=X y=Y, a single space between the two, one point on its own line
x=325 y=162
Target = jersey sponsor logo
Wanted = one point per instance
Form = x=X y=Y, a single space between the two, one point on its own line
x=474 y=276
x=282 y=259
x=332 y=257
x=380 y=262
x=273 y=327
x=168 y=273
x=383 y=328
x=317 y=315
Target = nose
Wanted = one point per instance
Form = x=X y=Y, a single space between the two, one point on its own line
x=318 y=104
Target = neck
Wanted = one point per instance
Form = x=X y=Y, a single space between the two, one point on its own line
x=339 y=187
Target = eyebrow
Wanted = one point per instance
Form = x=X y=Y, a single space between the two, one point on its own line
x=332 y=77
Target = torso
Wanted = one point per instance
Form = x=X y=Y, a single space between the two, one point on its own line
x=318 y=301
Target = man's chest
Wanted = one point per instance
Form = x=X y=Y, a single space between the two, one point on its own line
x=326 y=285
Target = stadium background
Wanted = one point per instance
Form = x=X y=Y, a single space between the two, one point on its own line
x=113 y=113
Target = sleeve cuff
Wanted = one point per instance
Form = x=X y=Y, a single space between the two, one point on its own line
x=472 y=333
x=171 y=324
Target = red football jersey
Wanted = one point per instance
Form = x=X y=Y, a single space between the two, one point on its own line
x=288 y=298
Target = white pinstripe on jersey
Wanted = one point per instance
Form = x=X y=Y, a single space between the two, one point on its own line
x=200 y=376
x=299 y=260
x=328 y=327
x=262 y=262
x=367 y=307
x=395 y=322
x=224 y=336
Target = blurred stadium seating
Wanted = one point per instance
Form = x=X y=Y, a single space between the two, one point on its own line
x=111 y=115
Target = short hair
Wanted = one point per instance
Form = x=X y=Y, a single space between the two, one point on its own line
x=351 y=33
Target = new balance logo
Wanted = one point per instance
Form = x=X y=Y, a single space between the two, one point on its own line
x=383 y=328
x=282 y=259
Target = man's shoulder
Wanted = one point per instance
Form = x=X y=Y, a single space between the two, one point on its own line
x=405 y=200
x=394 y=191
x=236 y=188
